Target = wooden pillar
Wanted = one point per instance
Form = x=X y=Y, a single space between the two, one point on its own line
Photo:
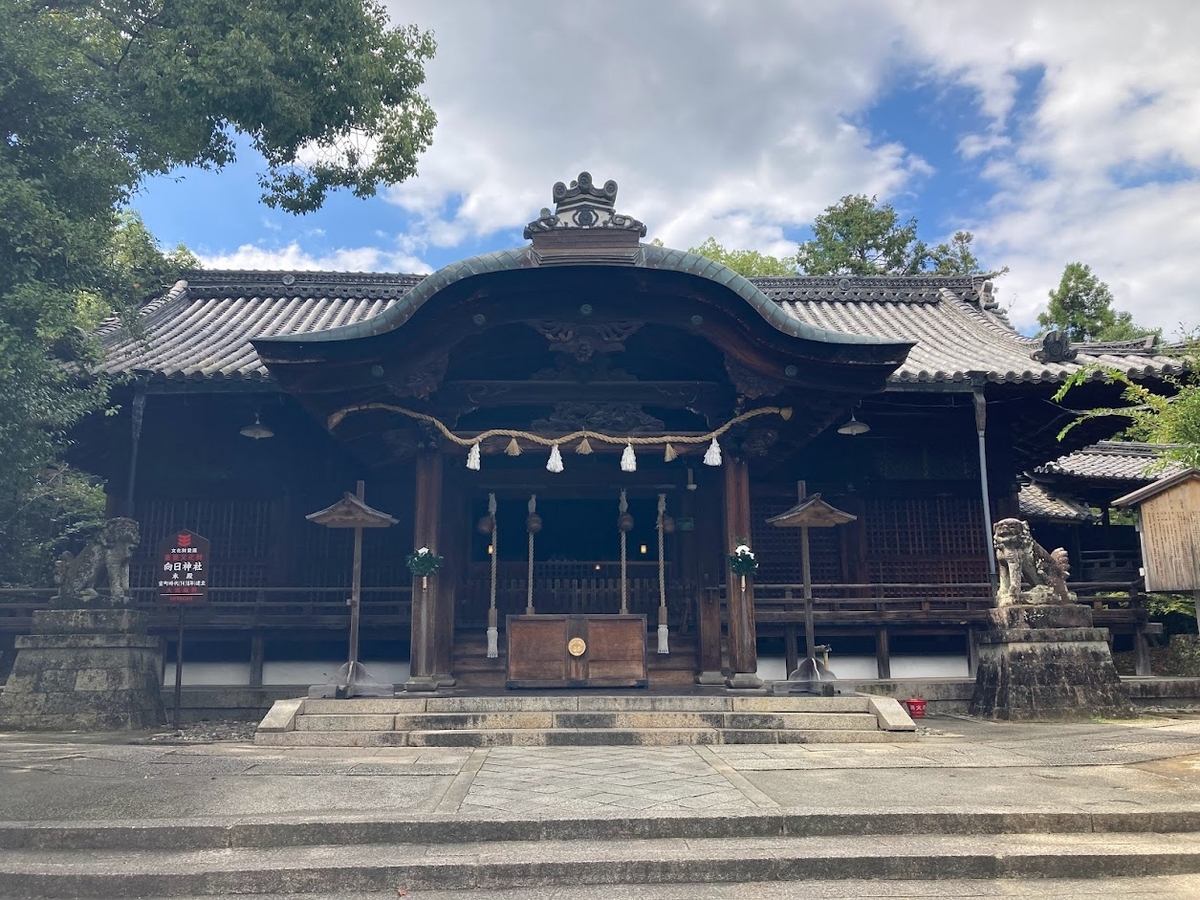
x=791 y=653
x=707 y=539
x=972 y=651
x=256 y=659
x=743 y=651
x=426 y=526
x=883 y=655
x=454 y=526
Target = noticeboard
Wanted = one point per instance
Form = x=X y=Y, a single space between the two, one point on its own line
x=183 y=567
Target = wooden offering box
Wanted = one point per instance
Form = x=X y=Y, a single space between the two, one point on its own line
x=576 y=651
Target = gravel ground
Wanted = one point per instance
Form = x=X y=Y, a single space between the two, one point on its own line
x=208 y=732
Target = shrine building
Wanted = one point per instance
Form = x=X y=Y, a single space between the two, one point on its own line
x=584 y=428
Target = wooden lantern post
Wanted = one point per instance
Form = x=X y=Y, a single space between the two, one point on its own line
x=810 y=512
x=352 y=679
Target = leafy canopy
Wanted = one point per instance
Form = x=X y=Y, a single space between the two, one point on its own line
x=97 y=94
x=860 y=236
x=749 y=263
x=1082 y=307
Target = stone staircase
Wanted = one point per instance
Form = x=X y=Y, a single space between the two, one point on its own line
x=589 y=719
x=348 y=858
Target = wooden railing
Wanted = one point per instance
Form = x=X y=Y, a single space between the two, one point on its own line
x=239 y=608
x=1119 y=605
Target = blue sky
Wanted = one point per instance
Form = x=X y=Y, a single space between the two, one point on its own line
x=1055 y=132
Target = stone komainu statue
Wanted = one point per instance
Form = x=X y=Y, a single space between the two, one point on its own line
x=1024 y=562
x=109 y=553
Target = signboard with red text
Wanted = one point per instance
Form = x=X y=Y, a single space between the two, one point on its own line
x=183 y=568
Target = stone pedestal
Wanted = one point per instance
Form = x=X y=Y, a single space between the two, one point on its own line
x=85 y=670
x=1046 y=662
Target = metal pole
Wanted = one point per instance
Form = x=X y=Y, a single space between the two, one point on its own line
x=355 y=600
x=981 y=430
x=178 y=668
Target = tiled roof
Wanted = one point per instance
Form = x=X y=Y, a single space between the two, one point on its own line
x=1126 y=461
x=1038 y=503
x=202 y=328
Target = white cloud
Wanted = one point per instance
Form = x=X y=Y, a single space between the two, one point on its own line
x=293 y=257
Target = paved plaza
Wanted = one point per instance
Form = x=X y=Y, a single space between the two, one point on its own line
x=1149 y=768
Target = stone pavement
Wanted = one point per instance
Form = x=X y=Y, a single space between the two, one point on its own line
x=1090 y=772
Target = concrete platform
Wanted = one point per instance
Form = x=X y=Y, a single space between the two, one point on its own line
x=987 y=806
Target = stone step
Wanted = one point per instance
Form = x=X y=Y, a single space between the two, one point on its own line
x=588 y=703
x=591 y=720
x=499 y=865
x=567 y=737
x=264 y=832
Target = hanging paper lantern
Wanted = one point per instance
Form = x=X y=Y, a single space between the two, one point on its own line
x=628 y=460
x=669 y=454
x=584 y=448
x=712 y=456
x=555 y=463
x=473 y=458
x=513 y=448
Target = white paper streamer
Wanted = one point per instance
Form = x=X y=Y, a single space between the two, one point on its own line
x=712 y=456
x=555 y=463
x=473 y=458
x=628 y=460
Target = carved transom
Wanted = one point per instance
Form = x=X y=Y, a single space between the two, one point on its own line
x=584 y=340
x=612 y=418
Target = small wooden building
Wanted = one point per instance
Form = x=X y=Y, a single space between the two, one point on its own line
x=1169 y=526
x=252 y=397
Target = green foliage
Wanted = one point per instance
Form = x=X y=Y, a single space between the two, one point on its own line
x=1170 y=418
x=95 y=96
x=749 y=263
x=958 y=258
x=860 y=236
x=60 y=510
x=1081 y=307
x=1177 y=612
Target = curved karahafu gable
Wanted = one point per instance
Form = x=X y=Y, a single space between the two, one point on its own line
x=585 y=245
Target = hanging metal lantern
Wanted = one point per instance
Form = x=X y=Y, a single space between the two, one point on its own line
x=625 y=522
x=533 y=524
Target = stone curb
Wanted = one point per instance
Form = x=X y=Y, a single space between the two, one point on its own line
x=265 y=834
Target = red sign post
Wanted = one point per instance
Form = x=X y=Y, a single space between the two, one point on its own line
x=183 y=570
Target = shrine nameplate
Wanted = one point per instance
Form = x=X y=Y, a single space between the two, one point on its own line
x=183 y=560
x=576 y=651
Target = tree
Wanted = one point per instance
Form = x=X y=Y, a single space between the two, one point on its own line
x=1169 y=417
x=956 y=257
x=750 y=263
x=860 y=236
x=95 y=96
x=1081 y=307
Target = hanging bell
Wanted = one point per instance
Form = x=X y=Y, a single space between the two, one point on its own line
x=668 y=525
x=712 y=456
x=533 y=524
x=485 y=525
x=473 y=458
x=628 y=460
x=625 y=523
x=555 y=463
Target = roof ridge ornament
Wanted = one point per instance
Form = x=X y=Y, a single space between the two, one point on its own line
x=585 y=226
x=1056 y=347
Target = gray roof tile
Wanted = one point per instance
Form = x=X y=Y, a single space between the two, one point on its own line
x=1038 y=503
x=203 y=328
x=1125 y=461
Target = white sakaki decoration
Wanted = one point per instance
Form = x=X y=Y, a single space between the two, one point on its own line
x=628 y=460
x=555 y=463
x=712 y=456
x=473 y=458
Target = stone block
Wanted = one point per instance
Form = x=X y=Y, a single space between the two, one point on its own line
x=1066 y=615
x=90 y=621
x=1183 y=657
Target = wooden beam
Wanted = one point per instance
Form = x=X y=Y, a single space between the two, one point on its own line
x=743 y=652
x=883 y=656
x=426 y=525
